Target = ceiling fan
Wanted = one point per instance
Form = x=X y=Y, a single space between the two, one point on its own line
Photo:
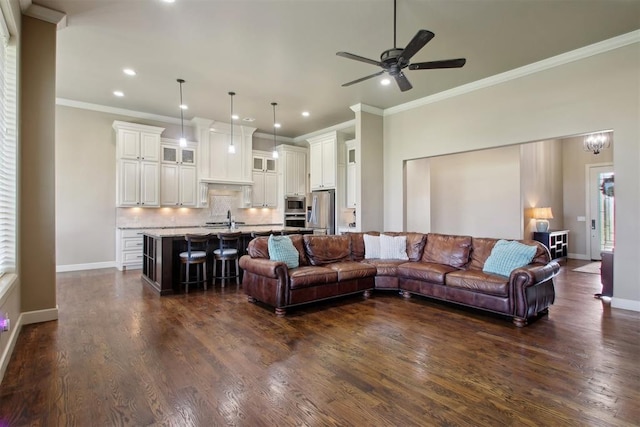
x=393 y=61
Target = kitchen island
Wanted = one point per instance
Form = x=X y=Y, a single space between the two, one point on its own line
x=162 y=246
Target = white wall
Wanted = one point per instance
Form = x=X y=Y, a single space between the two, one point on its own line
x=598 y=92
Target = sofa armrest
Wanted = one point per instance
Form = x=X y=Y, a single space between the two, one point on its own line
x=264 y=267
x=534 y=273
x=532 y=288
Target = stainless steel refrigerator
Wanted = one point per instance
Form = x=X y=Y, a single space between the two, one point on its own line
x=321 y=211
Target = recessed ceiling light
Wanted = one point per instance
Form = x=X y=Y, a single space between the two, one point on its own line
x=385 y=82
x=248 y=119
x=276 y=125
x=305 y=114
x=118 y=93
x=235 y=117
x=184 y=106
x=169 y=1
x=129 y=71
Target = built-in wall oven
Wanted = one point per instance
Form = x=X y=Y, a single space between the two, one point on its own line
x=295 y=210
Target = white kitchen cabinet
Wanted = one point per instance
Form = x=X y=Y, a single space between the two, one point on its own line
x=265 y=180
x=128 y=249
x=351 y=174
x=293 y=168
x=137 y=164
x=178 y=178
x=323 y=161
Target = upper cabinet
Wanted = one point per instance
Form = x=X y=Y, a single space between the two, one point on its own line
x=323 y=161
x=293 y=170
x=137 y=164
x=215 y=163
x=178 y=185
x=265 y=180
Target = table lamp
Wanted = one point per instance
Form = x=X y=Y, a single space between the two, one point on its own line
x=542 y=215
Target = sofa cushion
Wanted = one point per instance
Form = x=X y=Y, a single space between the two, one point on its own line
x=281 y=249
x=477 y=281
x=259 y=248
x=306 y=276
x=415 y=243
x=480 y=250
x=323 y=250
x=427 y=271
x=385 y=267
x=357 y=244
x=371 y=246
x=447 y=249
x=507 y=255
x=348 y=270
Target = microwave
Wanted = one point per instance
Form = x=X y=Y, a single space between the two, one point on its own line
x=294 y=204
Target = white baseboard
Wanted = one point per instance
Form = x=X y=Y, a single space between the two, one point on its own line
x=8 y=350
x=79 y=267
x=579 y=256
x=625 y=304
x=38 y=316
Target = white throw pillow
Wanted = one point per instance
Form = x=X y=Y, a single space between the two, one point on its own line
x=393 y=247
x=371 y=246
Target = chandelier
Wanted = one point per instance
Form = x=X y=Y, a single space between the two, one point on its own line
x=596 y=142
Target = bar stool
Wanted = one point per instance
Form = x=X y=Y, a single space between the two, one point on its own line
x=196 y=254
x=227 y=251
x=255 y=234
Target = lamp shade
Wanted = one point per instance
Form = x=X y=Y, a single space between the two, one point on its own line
x=542 y=213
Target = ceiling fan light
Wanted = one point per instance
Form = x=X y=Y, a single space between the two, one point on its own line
x=385 y=82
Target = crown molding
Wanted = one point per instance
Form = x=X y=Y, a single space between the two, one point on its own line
x=367 y=109
x=118 y=111
x=536 y=67
x=270 y=136
x=338 y=127
x=44 y=13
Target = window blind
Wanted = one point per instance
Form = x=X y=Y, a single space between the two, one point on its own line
x=8 y=151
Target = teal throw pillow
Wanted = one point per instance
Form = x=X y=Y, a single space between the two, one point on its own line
x=506 y=256
x=281 y=249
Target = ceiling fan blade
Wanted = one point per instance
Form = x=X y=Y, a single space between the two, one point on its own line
x=417 y=42
x=359 y=58
x=445 y=63
x=363 y=78
x=402 y=81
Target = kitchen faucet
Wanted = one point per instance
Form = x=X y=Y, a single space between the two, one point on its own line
x=229 y=218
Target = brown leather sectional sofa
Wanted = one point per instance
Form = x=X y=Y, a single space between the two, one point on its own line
x=445 y=267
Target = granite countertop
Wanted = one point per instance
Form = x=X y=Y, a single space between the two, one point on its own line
x=178 y=227
x=181 y=231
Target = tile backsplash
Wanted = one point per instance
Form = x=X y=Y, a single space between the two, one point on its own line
x=220 y=201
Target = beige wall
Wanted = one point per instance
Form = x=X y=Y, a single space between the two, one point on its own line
x=85 y=187
x=418 y=195
x=541 y=183
x=36 y=180
x=477 y=193
x=369 y=166
x=561 y=101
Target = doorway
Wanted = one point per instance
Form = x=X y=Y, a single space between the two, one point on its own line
x=601 y=209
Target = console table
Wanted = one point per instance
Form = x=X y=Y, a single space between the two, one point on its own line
x=557 y=241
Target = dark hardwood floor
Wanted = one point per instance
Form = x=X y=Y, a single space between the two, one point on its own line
x=121 y=355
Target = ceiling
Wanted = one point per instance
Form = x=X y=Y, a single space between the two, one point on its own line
x=285 y=51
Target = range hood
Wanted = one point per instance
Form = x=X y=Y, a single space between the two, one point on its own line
x=226 y=181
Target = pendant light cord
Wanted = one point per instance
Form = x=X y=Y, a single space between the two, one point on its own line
x=274 y=124
x=231 y=95
x=181 y=110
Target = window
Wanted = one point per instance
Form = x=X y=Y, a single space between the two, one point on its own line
x=8 y=150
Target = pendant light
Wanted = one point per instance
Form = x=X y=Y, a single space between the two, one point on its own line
x=183 y=140
x=232 y=148
x=275 y=152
